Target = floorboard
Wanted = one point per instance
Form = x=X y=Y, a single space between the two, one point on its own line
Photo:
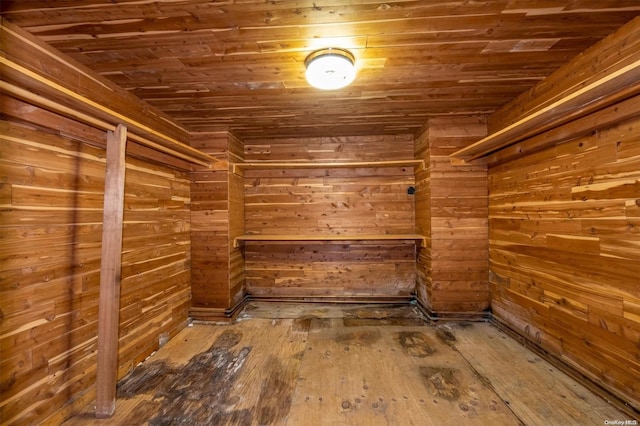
x=321 y=364
x=534 y=389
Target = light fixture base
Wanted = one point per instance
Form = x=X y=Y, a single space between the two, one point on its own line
x=330 y=68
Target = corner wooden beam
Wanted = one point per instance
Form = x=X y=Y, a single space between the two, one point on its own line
x=109 y=301
x=614 y=87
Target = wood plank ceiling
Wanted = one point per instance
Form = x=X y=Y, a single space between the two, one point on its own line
x=238 y=65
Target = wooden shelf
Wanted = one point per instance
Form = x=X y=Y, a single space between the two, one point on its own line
x=265 y=165
x=614 y=86
x=421 y=239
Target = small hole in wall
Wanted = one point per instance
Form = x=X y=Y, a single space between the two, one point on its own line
x=411 y=190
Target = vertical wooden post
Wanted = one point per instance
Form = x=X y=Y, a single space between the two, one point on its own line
x=109 y=303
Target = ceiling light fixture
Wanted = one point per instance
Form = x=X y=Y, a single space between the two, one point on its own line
x=331 y=68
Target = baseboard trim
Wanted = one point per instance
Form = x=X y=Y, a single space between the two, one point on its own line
x=226 y=315
x=335 y=299
x=452 y=316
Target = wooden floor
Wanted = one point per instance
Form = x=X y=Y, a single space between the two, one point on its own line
x=291 y=364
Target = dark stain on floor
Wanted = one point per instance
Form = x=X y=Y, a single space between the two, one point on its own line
x=321 y=323
x=199 y=392
x=146 y=378
x=443 y=382
x=276 y=393
x=445 y=336
x=415 y=343
x=302 y=324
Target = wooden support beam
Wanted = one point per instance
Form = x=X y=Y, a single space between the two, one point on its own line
x=109 y=302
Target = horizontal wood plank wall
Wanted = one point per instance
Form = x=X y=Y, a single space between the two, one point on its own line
x=452 y=202
x=31 y=64
x=564 y=245
x=331 y=270
x=210 y=226
x=565 y=253
x=51 y=196
x=326 y=201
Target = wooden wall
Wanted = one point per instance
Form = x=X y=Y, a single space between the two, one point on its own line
x=564 y=220
x=51 y=193
x=52 y=177
x=565 y=252
x=451 y=210
x=329 y=201
x=217 y=217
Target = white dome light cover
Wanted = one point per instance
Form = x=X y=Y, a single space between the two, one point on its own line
x=330 y=69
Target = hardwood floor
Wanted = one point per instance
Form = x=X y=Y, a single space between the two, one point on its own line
x=292 y=364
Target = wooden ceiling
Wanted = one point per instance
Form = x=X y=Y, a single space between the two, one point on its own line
x=238 y=65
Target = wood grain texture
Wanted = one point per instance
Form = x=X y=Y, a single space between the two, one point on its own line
x=563 y=218
x=17 y=110
x=331 y=270
x=564 y=253
x=51 y=214
x=503 y=359
x=566 y=99
x=240 y=66
x=210 y=227
x=597 y=63
x=605 y=117
x=110 y=272
x=323 y=202
x=319 y=364
x=217 y=218
x=451 y=211
x=37 y=73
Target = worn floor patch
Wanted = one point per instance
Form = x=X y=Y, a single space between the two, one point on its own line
x=443 y=382
x=179 y=391
x=415 y=343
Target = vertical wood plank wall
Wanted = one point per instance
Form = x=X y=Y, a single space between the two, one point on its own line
x=565 y=253
x=451 y=210
x=326 y=201
x=217 y=216
x=51 y=195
